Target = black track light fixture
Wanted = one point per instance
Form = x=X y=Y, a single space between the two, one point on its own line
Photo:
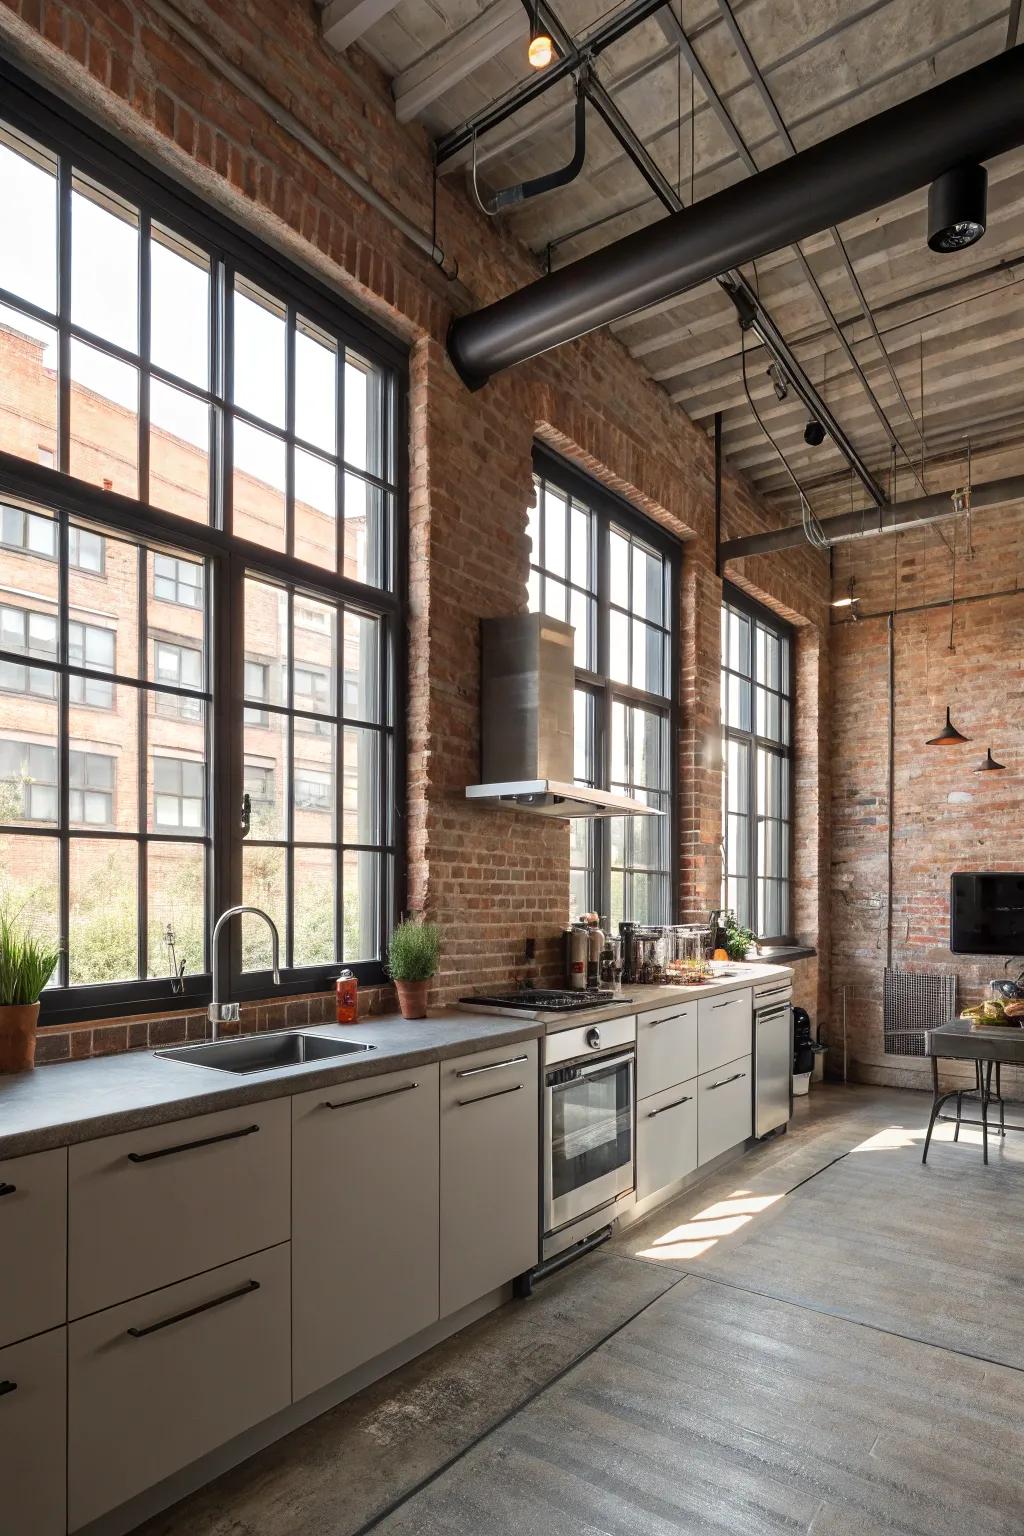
x=957 y=208
x=949 y=736
x=778 y=379
x=990 y=765
x=814 y=434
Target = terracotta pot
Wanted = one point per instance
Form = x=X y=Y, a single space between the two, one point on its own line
x=18 y=1036
x=412 y=998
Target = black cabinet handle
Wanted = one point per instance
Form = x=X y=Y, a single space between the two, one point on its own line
x=7 y=1189
x=494 y=1066
x=735 y=1077
x=7 y=1386
x=204 y=1306
x=367 y=1098
x=190 y=1146
x=674 y=1105
x=727 y=1004
x=498 y=1094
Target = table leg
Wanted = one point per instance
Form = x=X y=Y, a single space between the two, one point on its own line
x=987 y=1084
x=959 y=1112
x=935 y=1108
x=999 y=1096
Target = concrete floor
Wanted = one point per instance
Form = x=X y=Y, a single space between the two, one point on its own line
x=824 y=1338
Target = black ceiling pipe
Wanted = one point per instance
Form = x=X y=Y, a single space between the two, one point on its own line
x=973 y=117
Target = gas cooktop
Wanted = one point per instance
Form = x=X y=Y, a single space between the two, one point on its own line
x=538 y=1003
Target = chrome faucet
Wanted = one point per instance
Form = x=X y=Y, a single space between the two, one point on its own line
x=220 y=1012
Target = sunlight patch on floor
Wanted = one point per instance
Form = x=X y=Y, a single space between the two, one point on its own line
x=707 y=1227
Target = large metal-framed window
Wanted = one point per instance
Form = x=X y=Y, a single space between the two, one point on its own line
x=599 y=565
x=757 y=748
x=190 y=421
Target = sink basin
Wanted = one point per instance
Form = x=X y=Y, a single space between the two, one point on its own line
x=260 y=1053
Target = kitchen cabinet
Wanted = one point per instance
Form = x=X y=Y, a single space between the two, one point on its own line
x=158 y=1382
x=490 y=1219
x=32 y=1435
x=666 y=1047
x=33 y=1238
x=725 y=1027
x=365 y=1209
x=666 y=1138
x=150 y=1207
x=724 y=1108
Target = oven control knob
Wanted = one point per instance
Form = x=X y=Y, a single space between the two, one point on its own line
x=593 y=1038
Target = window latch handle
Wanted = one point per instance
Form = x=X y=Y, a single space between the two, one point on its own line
x=246 y=821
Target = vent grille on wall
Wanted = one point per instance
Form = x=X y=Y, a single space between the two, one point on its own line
x=915 y=1002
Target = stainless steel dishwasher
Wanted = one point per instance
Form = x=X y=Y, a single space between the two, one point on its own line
x=773 y=1056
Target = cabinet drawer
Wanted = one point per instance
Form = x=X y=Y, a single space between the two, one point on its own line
x=364 y=1221
x=725 y=1104
x=666 y=1138
x=150 y=1207
x=725 y=1028
x=490 y=1183
x=159 y=1382
x=666 y=1048
x=32 y=1431
x=33 y=1241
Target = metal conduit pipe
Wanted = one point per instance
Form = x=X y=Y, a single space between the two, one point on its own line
x=973 y=117
x=875 y=520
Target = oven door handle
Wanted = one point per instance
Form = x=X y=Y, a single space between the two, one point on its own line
x=609 y=1064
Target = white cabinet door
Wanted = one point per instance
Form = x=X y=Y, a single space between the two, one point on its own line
x=32 y=1435
x=490 y=1183
x=33 y=1243
x=725 y=1108
x=666 y=1048
x=666 y=1138
x=725 y=1028
x=160 y=1381
x=150 y=1207
x=364 y=1221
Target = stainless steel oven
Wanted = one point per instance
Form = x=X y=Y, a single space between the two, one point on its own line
x=589 y=1128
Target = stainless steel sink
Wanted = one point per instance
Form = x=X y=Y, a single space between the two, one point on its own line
x=260 y=1053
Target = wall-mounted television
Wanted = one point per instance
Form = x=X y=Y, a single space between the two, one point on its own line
x=986 y=914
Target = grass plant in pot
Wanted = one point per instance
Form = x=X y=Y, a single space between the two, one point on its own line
x=26 y=965
x=413 y=954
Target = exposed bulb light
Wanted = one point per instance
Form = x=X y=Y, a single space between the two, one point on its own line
x=990 y=765
x=849 y=601
x=949 y=736
x=957 y=208
x=542 y=48
x=814 y=434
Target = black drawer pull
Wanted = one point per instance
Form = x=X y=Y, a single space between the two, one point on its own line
x=204 y=1306
x=367 y=1098
x=7 y=1189
x=494 y=1066
x=735 y=1078
x=498 y=1094
x=190 y=1146
x=7 y=1386
x=674 y=1105
x=727 y=1004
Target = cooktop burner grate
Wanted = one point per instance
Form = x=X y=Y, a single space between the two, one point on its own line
x=534 y=1000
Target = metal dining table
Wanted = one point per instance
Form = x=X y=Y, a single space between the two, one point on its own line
x=990 y=1048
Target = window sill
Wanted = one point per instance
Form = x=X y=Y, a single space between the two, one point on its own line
x=782 y=954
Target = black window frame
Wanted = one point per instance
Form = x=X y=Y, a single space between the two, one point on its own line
x=735 y=598
x=46 y=119
x=612 y=511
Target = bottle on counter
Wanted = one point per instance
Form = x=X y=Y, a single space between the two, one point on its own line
x=577 y=947
x=346 y=998
x=595 y=944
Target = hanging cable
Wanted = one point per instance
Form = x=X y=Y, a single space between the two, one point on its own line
x=812 y=528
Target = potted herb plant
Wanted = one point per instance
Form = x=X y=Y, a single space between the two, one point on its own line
x=26 y=965
x=738 y=940
x=413 y=954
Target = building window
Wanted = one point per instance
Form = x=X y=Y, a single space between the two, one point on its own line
x=611 y=574
x=757 y=752
x=164 y=355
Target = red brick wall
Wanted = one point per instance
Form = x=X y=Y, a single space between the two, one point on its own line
x=492 y=879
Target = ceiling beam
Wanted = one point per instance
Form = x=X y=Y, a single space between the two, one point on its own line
x=343 y=21
x=419 y=86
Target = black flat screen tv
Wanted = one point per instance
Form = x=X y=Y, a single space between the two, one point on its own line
x=986 y=914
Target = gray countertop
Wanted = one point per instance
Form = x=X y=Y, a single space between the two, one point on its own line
x=992 y=1042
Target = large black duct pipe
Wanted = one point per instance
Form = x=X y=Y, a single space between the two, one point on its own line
x=971 y=118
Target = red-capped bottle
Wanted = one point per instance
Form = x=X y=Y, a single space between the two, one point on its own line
x=346 y=995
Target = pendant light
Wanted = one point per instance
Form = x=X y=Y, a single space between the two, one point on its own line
x=949 y=736
x=990 y=765
x=542 y=48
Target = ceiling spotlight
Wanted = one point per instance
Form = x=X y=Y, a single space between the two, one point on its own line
x=957 y=208
x=949 y=736
x=779 y=384
x=542 y=49
x=814 y=434
x=990 y=764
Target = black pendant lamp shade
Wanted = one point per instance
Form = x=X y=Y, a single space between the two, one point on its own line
x=990 y=765
x=949 y=736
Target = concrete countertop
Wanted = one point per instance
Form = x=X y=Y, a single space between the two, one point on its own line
x=75 y=1101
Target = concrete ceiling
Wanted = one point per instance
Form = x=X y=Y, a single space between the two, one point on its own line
x=784 y=74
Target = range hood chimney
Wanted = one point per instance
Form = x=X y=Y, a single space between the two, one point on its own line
x=527 y=682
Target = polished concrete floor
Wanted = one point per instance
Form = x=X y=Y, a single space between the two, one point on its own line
x=824 y=1338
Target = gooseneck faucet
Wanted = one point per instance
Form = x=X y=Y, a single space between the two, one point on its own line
x=220 y=1012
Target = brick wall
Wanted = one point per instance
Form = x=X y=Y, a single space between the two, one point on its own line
x=492 y=879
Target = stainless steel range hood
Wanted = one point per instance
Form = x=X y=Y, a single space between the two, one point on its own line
x=527 y=682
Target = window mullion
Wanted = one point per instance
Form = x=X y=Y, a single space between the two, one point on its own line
x=144 y=325
x=141 y=715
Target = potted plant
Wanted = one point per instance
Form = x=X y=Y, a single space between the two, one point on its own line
x=413 y=954
x=26 y=965
x=738 y=940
